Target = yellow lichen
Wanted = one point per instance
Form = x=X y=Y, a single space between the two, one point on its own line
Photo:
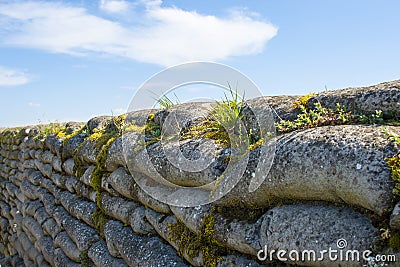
x=303 y=100
x=394 y=164
x=256 y=144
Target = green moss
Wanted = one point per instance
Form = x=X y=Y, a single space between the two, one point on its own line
x=79 y=163
x=394 y=241
x=102 y=140
x=100 y=219
x=208 y=129
x=210 y=248
x=99 y=171
x=221 y=137
x=192 y=244
x=84 y=259
x=79 y=170
x=99 y=198
x=132 y=127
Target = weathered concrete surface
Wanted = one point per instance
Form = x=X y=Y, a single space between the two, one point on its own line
x=343 y=164
x=308 y=225
x=63 y=241
x=183 y=115
x=283 y=228
x=136 y=250
x=364 y=100
x=332 y=163
x=395 y=217
x=100 y=256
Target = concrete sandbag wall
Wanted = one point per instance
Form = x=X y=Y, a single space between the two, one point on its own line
x=68 y=198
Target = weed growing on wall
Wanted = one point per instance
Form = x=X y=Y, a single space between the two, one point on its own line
x=165 y=102
x=321 y=116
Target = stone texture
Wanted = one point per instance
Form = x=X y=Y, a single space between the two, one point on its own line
x=115 y=156
x=80 y=233
x=123 y=183
x=395 y=217
x=51 y=228
x=98 y=123
x=61 y=260
x=281 y=106
x=46 y=246
x=30 y=225
x=139 y=223
x=54 y=144
x=136 y=250
x=29 y=190
x=87 y=152
x=63 y=241
x=183 y=116
x=68 y=166
x=308 y=225
x=70 y=145
x=83 y=210
x=117 y=207
x=100 y=256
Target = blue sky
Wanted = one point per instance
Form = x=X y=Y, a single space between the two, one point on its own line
x=72 y=60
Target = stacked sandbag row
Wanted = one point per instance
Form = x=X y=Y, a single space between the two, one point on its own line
x=64 y=204
x=333 y=179
x=48 y=214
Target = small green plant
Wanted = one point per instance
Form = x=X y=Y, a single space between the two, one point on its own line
x=165 y=102
x=223 y=121
x=392 y=137
x=228 y=111
x=319 y=116
x=49 y=129
x=376 y=118
x=152 y=130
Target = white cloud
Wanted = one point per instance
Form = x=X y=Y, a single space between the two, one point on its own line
x=164 y=36
x=34 y=105
x=114 y=6
x=12 y=77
